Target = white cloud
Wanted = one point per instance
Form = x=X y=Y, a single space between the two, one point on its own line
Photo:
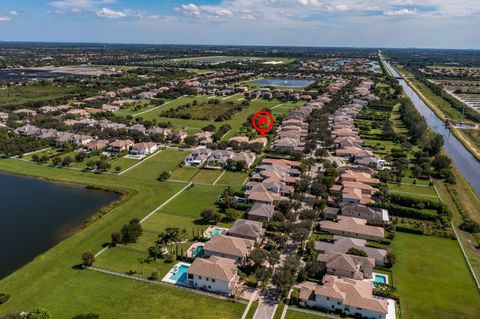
x=313 y=3
x=13 y=13
x=5 y=18
x=77 y=6
x=110 y=14
x=400 y=12
x=190 y=10
x=342 y=7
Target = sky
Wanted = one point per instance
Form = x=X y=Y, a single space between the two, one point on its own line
x=347 y=23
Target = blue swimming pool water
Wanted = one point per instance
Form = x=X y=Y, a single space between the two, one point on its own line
x=284 y=82
x=180 y=275
x=381 y=278
x=217 y=231
x=198 y=251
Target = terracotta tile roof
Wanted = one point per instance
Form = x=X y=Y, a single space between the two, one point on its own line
x=229 y=245
x=359 y=177
x=353 y=225
x=261 y=210
x=214 y=267
x=121 y=143
x=352 y=293
x=345 y=262
x=246 y=228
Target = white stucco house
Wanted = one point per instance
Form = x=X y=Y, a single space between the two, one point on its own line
x=347 y=295
x=215 y=274
x=144 y=148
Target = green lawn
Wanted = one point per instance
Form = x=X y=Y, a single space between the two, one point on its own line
x=184 y=173
x=432 y=278
x=192 y=201
x=17 y=95
x=207 y=176
x=195 y=125
x=206 y=111
x=252 y=310
x=51 y=280
x=126 y=259
x=427 y=192
x=300 y=315
x=232 y=178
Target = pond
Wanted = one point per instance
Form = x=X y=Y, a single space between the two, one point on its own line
x=283 y=82
x=37 y=214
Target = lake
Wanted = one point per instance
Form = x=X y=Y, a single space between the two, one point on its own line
x=37 y=214
x=284 y=82
x=466 y=163
x=25 y=75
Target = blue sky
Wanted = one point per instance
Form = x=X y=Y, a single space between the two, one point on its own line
x=365 y=23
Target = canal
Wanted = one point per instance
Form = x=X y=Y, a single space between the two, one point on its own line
x=36 y=214
x=466 y=163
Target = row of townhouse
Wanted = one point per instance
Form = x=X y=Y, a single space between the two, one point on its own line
x=218 y=159
x=218 y=83
x=293 y=131
x=59 y=137
x=273 y=181
x=347 y=139
x=346 y=286
x=86 y=142
x=216 y=269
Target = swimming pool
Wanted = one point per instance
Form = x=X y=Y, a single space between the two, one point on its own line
x=179 y=273
x=198 y=251
x=380 y=278
x=217 y=231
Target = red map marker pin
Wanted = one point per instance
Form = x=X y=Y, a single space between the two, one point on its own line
x=262 y=121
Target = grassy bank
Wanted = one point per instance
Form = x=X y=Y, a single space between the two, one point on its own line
x=443 y=110
x=432 y=278
x=53 y=281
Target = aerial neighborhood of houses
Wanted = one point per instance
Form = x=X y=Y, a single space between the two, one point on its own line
x=305 y=221
x=350 y=223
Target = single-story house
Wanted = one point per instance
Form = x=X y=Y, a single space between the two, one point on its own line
x=361 y=211
x=261 y=212
x=348 y=266
x=247 y=229
x=198 y=157
x=341 y=244
x=96 y=145
x=343 y=294
x=353 y=227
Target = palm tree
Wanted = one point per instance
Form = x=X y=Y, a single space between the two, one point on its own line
x=142 y=262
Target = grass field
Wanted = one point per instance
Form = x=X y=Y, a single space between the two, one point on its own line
x=426 y=192
x=432 y=278
x=184 y=212
x=236 y=122
x=52 y=281
x=205 y=111
x=206 y=176
x=18 y=95
x=291 y=314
